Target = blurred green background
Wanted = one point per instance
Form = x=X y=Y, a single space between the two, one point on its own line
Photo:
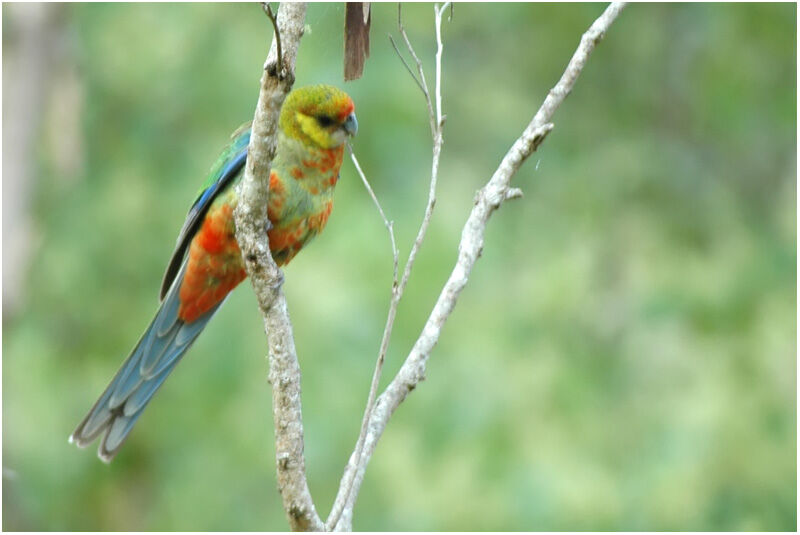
x=623 y=358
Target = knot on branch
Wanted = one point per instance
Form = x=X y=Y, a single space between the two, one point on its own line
x=493 y=197
x=477 y=198
x=540 y=134
x=297 y=512
x=278 y=71
x=596 y=38
x=283 y=461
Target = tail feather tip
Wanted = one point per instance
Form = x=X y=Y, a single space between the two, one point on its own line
x=104 y=455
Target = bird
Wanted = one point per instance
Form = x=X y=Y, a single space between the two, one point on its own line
x=206 y=265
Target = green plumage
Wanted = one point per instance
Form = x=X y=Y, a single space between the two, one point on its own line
x=207 y=264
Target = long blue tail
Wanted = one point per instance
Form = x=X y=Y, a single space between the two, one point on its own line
x=156 y=354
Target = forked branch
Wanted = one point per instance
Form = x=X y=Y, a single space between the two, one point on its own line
x=488 y=199
x=341 y=513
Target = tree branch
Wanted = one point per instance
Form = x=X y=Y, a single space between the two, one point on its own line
x=488 y=199
x=340 y=517
x=266 y=278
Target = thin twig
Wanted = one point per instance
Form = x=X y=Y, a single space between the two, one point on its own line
x=345 y=499
x=388 y=224
x=436 y=127
x=408 y=67
x=438 y=26
x=336 y=511
x=421 y=72
x=268 y=9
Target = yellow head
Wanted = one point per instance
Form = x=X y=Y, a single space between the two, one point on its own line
x=319 y=115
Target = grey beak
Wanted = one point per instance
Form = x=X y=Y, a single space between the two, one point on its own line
x=351 y=125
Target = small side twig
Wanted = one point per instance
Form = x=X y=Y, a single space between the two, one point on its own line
x=423 y=84
x=268 y=10
x=408 y=67
x=388 y=224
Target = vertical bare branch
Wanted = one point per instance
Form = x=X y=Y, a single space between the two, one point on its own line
x=437 y=123
x=438 y=14
x=344 y=490
x=266 y=278
x=345 y=499
x=489 y=198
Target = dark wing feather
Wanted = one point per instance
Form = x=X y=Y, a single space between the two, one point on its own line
x=232 y=163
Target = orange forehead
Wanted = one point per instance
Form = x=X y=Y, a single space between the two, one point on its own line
x=346 y=109
x=339 y=106
x=331 y=101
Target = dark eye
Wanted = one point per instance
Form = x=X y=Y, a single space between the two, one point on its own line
x=324 y=121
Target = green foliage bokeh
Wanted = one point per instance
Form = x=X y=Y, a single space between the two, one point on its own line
x=623 y=357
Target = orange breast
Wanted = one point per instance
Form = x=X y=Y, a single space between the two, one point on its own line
x=215 y=265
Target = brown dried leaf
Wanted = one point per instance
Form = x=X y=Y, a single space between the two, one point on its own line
x=357 y=21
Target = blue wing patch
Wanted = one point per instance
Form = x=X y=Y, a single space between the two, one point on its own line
x=230 y=169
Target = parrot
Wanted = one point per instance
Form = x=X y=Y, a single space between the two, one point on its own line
x=206 y=265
